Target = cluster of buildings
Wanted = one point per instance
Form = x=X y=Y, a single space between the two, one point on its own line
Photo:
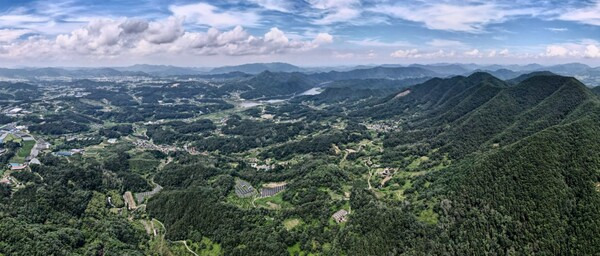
x=386 y=175
x=20 y=132
x=265 y=165
x=15 y=112
x=340 y=216
x=144 y=144
x=382 y=126
x=71 y=152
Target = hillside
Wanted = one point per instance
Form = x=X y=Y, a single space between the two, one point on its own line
x=531 y=185
x=171 y=165
x=376 y=73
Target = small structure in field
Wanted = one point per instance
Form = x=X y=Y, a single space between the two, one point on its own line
x=35 y=161
x=387 y=172
x=270 y=189
x=340 y=216
x=129 y=201
x=244 y=189
x=140 y=197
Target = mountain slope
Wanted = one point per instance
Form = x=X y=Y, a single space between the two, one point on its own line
x=376 y=73
x=524 y=178
x=536 y=196
x=466 y=114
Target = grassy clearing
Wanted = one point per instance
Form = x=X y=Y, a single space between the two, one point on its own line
x=428 y=216
x=23 y=152
x=290 y=224
x=13 y=138
x=244 y=203
x=272 y=203
x=143 y=165
x=296 y=250
x=206 y=247
x=417 y=162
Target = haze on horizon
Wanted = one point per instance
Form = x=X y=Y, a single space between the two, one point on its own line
x=301 y=32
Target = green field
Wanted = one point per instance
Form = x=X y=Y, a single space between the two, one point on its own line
x=273 y=202
x=23 y=152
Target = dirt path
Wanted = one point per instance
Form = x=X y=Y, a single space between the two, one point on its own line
x=188 y=248
x=344 y=158
x=369 y=179
x=180 y=241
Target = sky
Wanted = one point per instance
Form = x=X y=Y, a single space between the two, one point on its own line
x=208 y=33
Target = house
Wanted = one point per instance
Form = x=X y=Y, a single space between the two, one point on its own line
x=112 y=140
x=35 y=161
x=28 y=138
x=63 y=153
x=340 y=216
x=15 y=110
x=387 y=172
x=77 y=151
x=17 y=166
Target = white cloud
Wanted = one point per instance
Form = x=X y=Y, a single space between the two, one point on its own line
x=275 y=5
x=371 y=54
x=371 y=42
x=445 y=43
x=498 y=53
x=127 y=38
x=453 y=17
x=415 y=53
x=558 y=29
x=342 y=55
x=405 y=53
x=16 y=19
x=163 y=32
x=473 y=53
x=323 y=38
x=586 y=15
x=583 y=49
x=206 y=14
x=336 y=10
x=556 y=51
x=592 y=51
x=9 y=35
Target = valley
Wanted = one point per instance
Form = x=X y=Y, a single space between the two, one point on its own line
x=380 y=161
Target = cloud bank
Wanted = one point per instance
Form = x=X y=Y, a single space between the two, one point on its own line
x=108 y=38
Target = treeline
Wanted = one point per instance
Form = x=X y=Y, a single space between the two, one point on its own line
x=65 y=213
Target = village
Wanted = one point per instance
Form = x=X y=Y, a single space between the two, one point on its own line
x=27 y=153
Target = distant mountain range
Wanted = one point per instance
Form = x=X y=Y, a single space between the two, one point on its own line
x=588 y=75
x=256 y=68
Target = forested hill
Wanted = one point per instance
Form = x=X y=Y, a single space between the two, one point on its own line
x=464 y=113
x=526 y=172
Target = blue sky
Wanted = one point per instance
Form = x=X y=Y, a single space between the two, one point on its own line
x=302 y=32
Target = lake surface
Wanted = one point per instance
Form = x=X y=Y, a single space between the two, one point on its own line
x=313 y=91
x=251 y=103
